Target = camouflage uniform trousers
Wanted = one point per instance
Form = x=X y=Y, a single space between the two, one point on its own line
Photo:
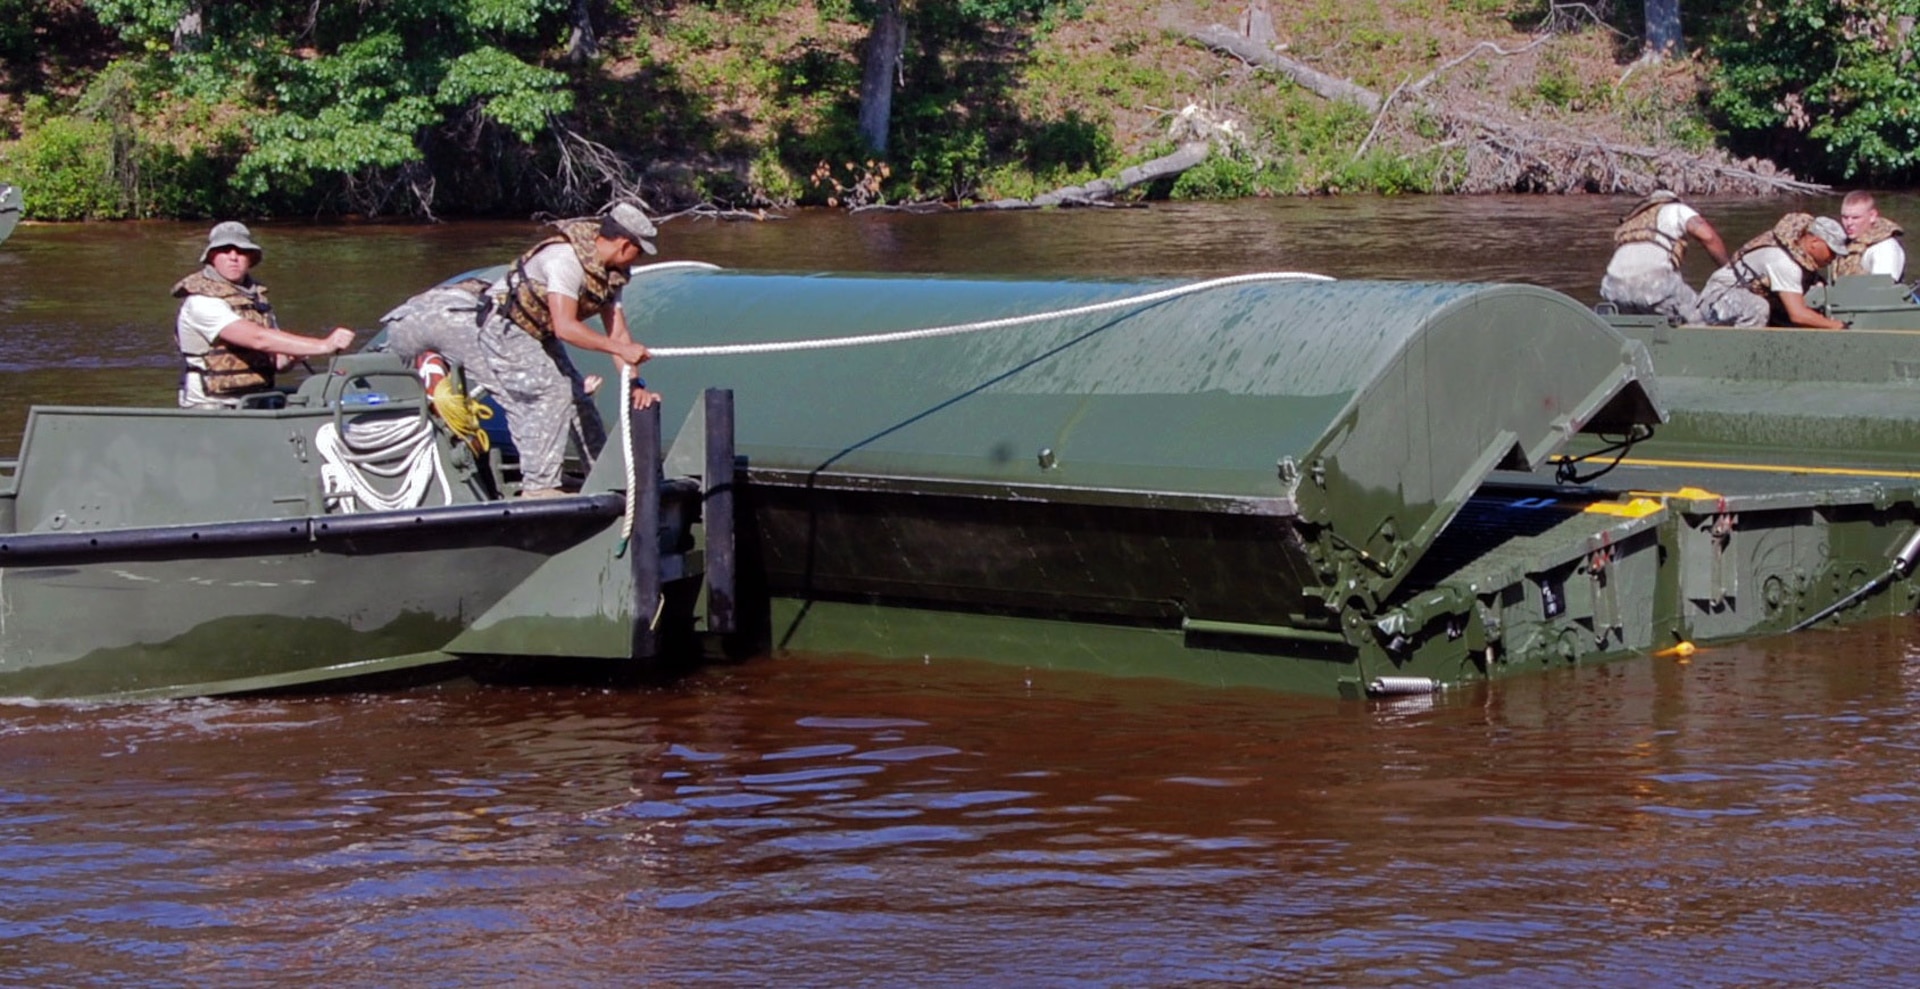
x=1725 y=303
x=1660 y=291
x=441 y=319
x=545 y=400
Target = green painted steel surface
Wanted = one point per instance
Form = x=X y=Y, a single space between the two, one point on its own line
x=84 y=468
x=1295 y=485
x=1368 y=411
x=1868 y=302
x=1200 y=394
x=1790 y=397
x=161 y=552
x=188 y=619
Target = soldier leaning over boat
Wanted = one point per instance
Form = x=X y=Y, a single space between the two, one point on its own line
x=229 y=340
x=1873 y=241
x=1766 y=282
x=510 y=334
x=1651 y=240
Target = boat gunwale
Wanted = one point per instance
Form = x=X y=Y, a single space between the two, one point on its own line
x=96 y=544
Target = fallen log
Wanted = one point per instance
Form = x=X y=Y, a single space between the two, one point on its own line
x=1223 y=38
x=1511 y=154
x=1100 y=192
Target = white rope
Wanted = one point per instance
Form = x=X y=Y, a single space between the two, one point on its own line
x=388 y=447
x=784 y=346
x=626 y=408
x=626 y=453
x=670 y=265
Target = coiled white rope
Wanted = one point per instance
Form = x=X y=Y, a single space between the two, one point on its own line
x=829 y=343
x=391 y=446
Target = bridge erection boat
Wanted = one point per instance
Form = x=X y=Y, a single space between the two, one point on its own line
x=333 y=532
x=1276 y=480
x=1287 y=481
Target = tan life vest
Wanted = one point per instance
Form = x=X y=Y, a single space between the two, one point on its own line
x=1785 y=235
x=1641 y=225
x=1854 y=262
x=526 y=299
x=228 y=369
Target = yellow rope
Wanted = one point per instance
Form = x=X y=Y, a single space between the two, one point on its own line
x=462 y=415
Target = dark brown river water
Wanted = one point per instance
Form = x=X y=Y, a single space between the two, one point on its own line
x=1743 y=819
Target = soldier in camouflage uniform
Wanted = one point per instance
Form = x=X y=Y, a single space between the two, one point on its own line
x=536 y=308
x=230 y=342
x=1650 y=242
x=1766 y=283
x=444 y=319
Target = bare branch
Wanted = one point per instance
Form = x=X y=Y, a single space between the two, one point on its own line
x=1510 y=154
x=1429 y=78
x=1385 y=105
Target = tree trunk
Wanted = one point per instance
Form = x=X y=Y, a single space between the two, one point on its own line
x=1226 y=39
x=582 y=46
x=1101 y=191
x=884 y=48
x=190 y=30
x=1663 y=28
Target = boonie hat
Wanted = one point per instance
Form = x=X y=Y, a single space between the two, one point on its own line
x=232 y=233
x=1831 y=232
x=635 y=225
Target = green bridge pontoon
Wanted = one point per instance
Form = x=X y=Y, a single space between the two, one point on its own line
x=1295 y=483
x=1272 y=480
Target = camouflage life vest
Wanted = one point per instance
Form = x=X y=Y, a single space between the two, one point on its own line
x=228 y=368
x=526 y=299
x=1641 y=225
x=1785 y=235
x=1854 y=263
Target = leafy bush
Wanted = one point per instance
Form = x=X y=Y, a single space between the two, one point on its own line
x=65 y=171
x=1823 y=83
x=1221 y=176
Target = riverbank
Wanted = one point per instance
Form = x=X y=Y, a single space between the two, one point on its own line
x=758 y=104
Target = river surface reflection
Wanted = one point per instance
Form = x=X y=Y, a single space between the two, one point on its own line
x=1744 y=818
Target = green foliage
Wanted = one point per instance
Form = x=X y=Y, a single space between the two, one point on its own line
x=1072 y=144
x=1828 y=84
x=772 y=182
x=285 y=106
x=64 y=169
x=506 y=90
x=944 y=162
x=1556 y=87
x=345 y=97
x=1658 y=120
x=1385 y=173
x=1223 y=176
x=697 y=28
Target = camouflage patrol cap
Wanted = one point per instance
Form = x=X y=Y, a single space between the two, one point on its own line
x=633 y=225
x=1830 y=232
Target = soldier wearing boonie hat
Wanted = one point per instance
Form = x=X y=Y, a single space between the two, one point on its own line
x=230 y=342
x=1767 y=279
x=541 y=303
